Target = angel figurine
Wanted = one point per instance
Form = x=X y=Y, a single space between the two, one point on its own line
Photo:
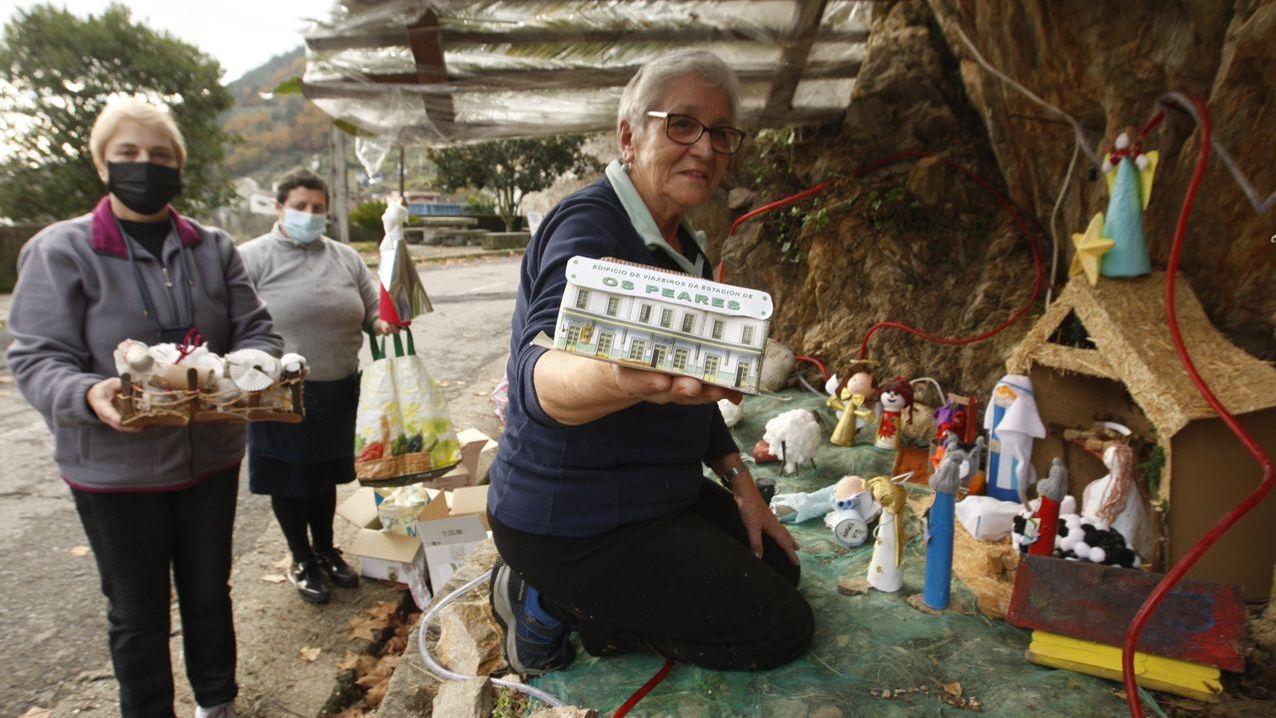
x=1129 y=172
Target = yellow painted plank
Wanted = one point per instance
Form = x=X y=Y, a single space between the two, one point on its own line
x=1182 y=678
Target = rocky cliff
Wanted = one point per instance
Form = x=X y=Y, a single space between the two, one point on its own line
x=918 y=242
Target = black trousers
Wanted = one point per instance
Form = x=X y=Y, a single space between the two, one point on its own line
x=684 y=585
x=137 y=538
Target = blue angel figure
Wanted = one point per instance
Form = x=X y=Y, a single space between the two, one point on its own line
x=1129 y=171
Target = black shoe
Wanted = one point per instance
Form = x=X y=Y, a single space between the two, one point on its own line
x=535 y=643
x=310 y=580
x=337 y=569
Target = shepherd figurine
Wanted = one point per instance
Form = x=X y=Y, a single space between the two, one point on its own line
x=953 y=473
x=1051 y=489
x=1129 y=172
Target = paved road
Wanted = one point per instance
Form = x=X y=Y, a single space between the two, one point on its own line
x=50 y=603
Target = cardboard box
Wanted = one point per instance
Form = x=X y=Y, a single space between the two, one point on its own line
x=478 y=450
x=387 y=556
x=360 y=509
x=450 y=528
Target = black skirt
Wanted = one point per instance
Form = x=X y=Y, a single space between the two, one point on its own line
x=309 y=458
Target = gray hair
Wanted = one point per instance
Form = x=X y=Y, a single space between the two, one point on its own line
x=652 y=80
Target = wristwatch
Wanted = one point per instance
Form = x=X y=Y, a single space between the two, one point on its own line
x=731 y=473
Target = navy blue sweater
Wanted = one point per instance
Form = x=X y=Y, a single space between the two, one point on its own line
x=638 y=463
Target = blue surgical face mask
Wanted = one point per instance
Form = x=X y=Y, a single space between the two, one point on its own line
x=303 y=227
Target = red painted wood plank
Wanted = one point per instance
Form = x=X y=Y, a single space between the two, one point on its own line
x=1199 y=621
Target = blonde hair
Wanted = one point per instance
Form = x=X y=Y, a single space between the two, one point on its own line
x=139 y=111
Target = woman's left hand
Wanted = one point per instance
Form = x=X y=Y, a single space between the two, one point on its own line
x=759 y=520
x=382 y=327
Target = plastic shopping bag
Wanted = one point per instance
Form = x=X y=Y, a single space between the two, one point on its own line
x=403 y=433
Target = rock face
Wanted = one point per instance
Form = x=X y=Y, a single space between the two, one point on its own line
x=1106 y=64
x=914 y=241
x=918 y=242
x=464 y=699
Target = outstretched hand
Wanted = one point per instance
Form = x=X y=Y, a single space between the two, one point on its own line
x=659 y=388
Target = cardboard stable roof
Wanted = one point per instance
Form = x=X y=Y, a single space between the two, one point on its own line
x=448 y=71
x=1126 y=321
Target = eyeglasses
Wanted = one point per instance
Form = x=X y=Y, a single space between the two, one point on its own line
x=687 y=130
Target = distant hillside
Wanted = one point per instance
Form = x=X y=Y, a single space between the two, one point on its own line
x=276 y=134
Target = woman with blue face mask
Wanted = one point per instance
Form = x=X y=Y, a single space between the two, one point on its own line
x=322 y=299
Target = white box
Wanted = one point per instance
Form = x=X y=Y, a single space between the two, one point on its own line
x=450 y=528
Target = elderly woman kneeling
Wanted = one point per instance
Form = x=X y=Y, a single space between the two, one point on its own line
x=599 y=505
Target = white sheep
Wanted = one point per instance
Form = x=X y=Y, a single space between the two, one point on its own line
x=731 y=413
x=793 y=436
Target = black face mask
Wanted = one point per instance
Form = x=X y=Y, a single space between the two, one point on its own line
x=143 y=187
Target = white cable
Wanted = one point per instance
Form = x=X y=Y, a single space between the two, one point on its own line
x=444 y=674
x=1076 y=126
x=1054 y=213
x=938 y=388
x=1260 y=205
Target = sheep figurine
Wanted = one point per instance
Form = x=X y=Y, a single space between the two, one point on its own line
x=731 y=413
x=796 y=435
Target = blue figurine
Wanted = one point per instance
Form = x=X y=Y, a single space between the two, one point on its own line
x=1129 y=172
x=954 y=472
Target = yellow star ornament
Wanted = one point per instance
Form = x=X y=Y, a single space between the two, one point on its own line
x=1090 y=248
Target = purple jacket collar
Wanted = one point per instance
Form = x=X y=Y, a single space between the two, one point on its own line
x=107 y=238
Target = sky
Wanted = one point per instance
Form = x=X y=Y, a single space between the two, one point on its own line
x=240 y=34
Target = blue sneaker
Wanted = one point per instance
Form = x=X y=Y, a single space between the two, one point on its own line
x=535 y=642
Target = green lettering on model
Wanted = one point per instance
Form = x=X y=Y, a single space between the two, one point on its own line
x=733 y=304
x=702 y=299
x=717 y=302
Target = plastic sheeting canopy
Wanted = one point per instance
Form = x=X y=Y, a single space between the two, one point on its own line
x=450 y=71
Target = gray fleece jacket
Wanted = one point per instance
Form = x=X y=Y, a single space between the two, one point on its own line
x=76 y=299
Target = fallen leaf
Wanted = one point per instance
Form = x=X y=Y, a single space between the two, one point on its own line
x=76 y=551
x=310 y=654
x=273 y=578
x=284 y=563
x=953 y=689
x=34 y=712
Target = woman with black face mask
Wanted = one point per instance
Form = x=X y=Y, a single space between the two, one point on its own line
x=158 y=500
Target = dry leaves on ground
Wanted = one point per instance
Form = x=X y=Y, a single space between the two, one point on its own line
x=310 y=654
x=367 y=624
x=273 y=578
x=75 y=551
x=34 y=712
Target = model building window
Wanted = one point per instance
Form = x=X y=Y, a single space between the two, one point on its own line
x=644 y=314
x=666 y=318
x=680 y=359
x=746 y=336
x=613 y=305
x=637 y=348
x=582 y=298
x=717 y=328
x=604 y=344
x=573 y=335
x=711 y=366
x=688 y=321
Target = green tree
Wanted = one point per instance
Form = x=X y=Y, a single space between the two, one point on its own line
x=510 y=168
x=57 y=72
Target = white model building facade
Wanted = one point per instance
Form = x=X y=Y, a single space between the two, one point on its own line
x=665 y=321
